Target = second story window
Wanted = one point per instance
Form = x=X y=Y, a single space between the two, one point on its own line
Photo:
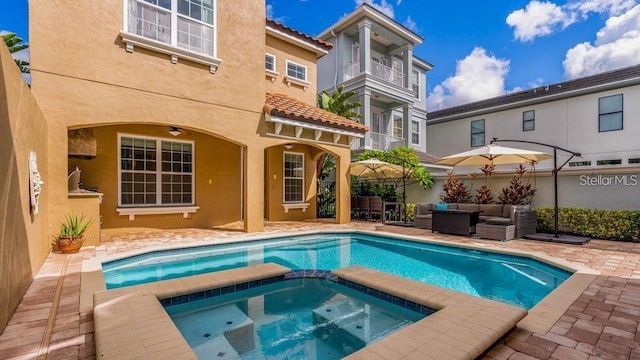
x=270 y=62
x=610 y=113
x=415 y=83
x=415 y=132
x=296 y=71
x=187 y=24
x=477 y=133
x=397 y=127
x=528 y=120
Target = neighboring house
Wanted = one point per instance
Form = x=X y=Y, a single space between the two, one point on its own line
x=182 y=117
x=373 y=55
x=597 y=116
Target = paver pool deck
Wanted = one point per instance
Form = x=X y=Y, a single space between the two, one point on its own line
x=602 y=322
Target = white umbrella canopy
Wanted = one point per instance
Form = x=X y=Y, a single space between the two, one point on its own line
x=494 y=155
x=376 y=169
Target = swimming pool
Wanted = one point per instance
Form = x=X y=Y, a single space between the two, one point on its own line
x=292 y=319
x=515 y=280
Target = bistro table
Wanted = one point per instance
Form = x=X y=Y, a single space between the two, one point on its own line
x=456 y=222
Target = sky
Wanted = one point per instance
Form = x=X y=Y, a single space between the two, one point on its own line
x=479 y=49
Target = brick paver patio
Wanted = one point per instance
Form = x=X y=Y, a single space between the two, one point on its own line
x=603 y=323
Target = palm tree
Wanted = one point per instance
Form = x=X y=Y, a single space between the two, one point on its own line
x=13 y=42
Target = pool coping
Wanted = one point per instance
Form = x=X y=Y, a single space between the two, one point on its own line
x=539 y=319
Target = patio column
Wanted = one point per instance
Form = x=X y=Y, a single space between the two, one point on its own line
x=407 y=116
x=366 y=117
x=343 y=191
x=407 y=64
x=364 y=33
x=253 y=198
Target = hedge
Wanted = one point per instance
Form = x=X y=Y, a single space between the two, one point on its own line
x=618 y=225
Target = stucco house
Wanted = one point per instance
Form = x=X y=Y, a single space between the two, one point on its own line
x=597 y=116
x=193 y=115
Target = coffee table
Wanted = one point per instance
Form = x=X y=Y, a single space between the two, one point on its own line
x=456 y=222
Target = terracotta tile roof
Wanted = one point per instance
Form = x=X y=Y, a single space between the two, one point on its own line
x=284 y=106
x=304 y=37
x=540 y=94
x=426 y=158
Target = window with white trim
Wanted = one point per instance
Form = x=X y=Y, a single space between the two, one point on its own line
x=477 y=133
x=270 y=62
x=187 y=24
x=415 y=83
x=610 y=113
x=293 y=177
x=296 y=71
x=397 y=127
x=155 y=172
x=415 y=132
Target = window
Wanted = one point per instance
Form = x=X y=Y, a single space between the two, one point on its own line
x=155 y=172
x=187 y=24
x=415 y=132
x=270 y=62
x=610 y=113
x=477 y=133
x=528 y=120
x=415 y=83
x=293 y=177
x=296 y=71
x=397 y=127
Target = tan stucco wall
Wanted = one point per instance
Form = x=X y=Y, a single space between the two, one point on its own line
x=217 y=178
x=95 y=82
x=284 y=51
x=24 y=238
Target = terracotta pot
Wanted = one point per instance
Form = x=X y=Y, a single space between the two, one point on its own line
x=70 y=245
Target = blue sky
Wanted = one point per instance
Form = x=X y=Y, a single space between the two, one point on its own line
x=480 y=49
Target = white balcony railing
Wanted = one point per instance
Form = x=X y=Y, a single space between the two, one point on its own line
x=378 y=70
x=379 y=141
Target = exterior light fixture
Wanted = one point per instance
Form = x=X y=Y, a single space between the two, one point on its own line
x=174 y=130
x=288 y=146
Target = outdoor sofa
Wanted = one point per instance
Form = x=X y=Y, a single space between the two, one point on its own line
x=497 y=221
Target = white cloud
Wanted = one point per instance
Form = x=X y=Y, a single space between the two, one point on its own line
x=478 y=76
x=410 y=24
x=538 y=19
x=617 y=45
x=383 y=6
x=542 y=18
x=269 y=11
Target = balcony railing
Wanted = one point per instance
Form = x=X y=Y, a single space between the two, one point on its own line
x=379 y=141
x=378 y=70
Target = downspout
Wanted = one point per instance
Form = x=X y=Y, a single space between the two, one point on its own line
x=335 y=76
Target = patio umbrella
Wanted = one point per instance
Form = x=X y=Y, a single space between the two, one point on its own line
x=493 y=155
x=376 y=169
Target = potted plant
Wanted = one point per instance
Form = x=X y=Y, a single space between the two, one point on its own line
x=72 y=231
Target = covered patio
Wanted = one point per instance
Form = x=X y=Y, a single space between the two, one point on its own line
x=602 y=322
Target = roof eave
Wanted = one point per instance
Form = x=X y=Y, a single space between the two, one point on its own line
x=319 y=51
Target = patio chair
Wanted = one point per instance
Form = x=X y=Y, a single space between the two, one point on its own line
x=376 y=207
x=363 y=207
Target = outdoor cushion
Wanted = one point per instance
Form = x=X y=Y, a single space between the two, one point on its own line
x=498 y=221
x=468 y=207
x=491 y=210
x=506 y=211
x=424 y=208
x=442 y=206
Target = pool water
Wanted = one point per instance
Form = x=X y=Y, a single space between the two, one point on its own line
x=293 y=319
x=511 y=279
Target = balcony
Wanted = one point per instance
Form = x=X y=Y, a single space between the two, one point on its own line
x=379 y=141
x=378 y=70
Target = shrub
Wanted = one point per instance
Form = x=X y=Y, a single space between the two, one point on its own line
x=519 y=191
x=455 y=191
x=618 y=225
x=410 y=210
